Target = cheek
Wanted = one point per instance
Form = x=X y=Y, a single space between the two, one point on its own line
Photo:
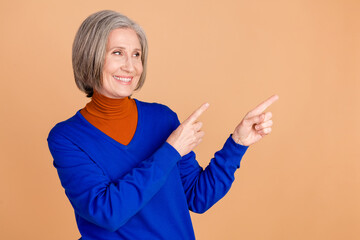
x=139 y=68
x=110 y=67
x=105 y=69
x=112 y=64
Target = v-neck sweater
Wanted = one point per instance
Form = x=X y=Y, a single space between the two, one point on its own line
x=143 y=190
x=117 y=118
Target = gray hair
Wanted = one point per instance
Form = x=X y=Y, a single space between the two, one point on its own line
x=89 y=48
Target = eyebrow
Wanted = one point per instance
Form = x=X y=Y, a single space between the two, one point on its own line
x=136 y=49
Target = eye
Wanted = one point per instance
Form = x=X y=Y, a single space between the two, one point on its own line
x=117 y=53
x=137 y=54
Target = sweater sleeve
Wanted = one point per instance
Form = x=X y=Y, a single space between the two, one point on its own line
x=108 y=204
x=203 y=188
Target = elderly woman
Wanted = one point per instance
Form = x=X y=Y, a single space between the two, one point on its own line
x=127 y=166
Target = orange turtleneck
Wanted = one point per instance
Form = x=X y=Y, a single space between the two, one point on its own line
x=117 y=118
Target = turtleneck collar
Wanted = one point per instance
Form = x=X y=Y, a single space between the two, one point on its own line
x=108 y=108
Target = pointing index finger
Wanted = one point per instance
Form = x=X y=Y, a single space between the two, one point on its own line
x=196 y=114
x=264 y=105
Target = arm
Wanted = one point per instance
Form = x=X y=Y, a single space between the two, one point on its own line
x=108 y=204
x=203 y=188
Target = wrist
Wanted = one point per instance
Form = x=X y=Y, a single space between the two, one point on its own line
x=237 y=139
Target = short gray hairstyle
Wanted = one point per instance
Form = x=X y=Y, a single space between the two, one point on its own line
x=89 y=48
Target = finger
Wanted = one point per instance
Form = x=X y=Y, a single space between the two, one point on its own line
x=267 y=117
x=264 y=131
x=263 y=125
x=198 y=126
x=200 y=135
x=195 y=115
x=262 y=106
x=254 y=120
x=195 y=144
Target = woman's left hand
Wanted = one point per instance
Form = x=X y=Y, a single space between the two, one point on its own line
x=255 y=124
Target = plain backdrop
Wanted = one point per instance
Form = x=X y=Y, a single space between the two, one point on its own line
x=300 y=182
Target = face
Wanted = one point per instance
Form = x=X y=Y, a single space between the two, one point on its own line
x=122 y=67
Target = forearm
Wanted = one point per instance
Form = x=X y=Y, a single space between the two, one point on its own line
x=204 y=188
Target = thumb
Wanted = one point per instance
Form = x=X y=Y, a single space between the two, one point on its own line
x=254 y=120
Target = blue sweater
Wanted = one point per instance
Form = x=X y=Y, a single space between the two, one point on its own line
x=143 y=190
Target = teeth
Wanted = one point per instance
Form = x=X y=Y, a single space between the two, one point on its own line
x=122 y=79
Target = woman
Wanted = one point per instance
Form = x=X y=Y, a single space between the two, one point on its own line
x=127 y=166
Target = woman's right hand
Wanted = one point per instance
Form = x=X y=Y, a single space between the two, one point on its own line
x=188 y=135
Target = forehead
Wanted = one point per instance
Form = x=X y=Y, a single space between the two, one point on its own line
x=123 y=37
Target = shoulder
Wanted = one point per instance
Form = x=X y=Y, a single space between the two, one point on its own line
x=158 y=114
x=66 y=128
x=155 y=109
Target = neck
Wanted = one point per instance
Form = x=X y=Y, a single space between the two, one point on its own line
x=108 y=108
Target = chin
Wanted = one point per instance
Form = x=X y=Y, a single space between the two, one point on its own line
x=123 y=94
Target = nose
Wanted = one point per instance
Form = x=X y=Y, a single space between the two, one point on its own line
x=128 y=65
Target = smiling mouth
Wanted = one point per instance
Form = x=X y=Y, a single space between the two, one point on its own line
x=125 y=80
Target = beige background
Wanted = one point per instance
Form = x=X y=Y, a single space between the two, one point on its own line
x=301 y=182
